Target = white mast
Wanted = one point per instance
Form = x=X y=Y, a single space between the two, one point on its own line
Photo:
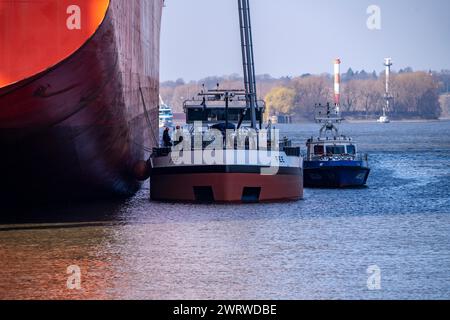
x=337 y=82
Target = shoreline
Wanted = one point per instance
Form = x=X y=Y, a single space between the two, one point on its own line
x=398 y=121
x=375 y=121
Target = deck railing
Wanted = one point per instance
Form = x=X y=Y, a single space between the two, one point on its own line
x=338 y=157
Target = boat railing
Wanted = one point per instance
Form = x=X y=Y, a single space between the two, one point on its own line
x=164 y=151
x=283 y=146
x=338 y=157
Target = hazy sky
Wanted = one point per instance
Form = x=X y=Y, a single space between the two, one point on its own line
x=291 y=37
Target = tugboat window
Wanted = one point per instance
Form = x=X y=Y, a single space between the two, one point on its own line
x=218 y=114
x=319 y=150
x=351 y=149
x=335 y=149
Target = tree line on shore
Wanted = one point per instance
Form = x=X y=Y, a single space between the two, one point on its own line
x=416 y=95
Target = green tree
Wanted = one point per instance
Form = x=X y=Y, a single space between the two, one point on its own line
x=280 y=100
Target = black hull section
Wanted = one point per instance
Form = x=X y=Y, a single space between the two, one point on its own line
x=61 y=163
x=336 y=177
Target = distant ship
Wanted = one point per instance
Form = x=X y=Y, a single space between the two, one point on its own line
x=384 y=119
x=332 y=159
x=165 y=114
x=79 y=84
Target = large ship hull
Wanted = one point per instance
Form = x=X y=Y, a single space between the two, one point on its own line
x=78 y=128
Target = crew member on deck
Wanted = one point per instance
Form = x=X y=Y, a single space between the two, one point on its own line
x=167 y=140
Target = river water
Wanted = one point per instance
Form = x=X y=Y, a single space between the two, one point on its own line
x=318 y=248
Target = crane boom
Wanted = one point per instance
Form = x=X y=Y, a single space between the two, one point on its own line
x=248 y=59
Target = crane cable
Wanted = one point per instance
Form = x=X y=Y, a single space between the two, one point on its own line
x=147 y=117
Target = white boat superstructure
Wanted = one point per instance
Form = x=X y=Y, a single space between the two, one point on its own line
x=384 y=119
x=165 y=114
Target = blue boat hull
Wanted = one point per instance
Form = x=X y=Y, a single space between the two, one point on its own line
x=330 y=174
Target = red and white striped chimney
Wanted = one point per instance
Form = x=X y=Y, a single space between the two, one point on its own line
x=337 y=82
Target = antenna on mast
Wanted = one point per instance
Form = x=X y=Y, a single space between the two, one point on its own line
x=330 y=115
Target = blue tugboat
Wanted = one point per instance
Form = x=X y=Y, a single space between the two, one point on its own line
x=332 y=159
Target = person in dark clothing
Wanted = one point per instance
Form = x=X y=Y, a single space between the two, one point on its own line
x=167 y=140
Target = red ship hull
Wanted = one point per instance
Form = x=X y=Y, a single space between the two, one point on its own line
x=77 y=129
x=227 y=187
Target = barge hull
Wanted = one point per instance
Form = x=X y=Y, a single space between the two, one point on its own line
x=226 y=187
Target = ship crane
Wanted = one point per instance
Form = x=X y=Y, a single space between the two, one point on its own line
x=248 y=60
